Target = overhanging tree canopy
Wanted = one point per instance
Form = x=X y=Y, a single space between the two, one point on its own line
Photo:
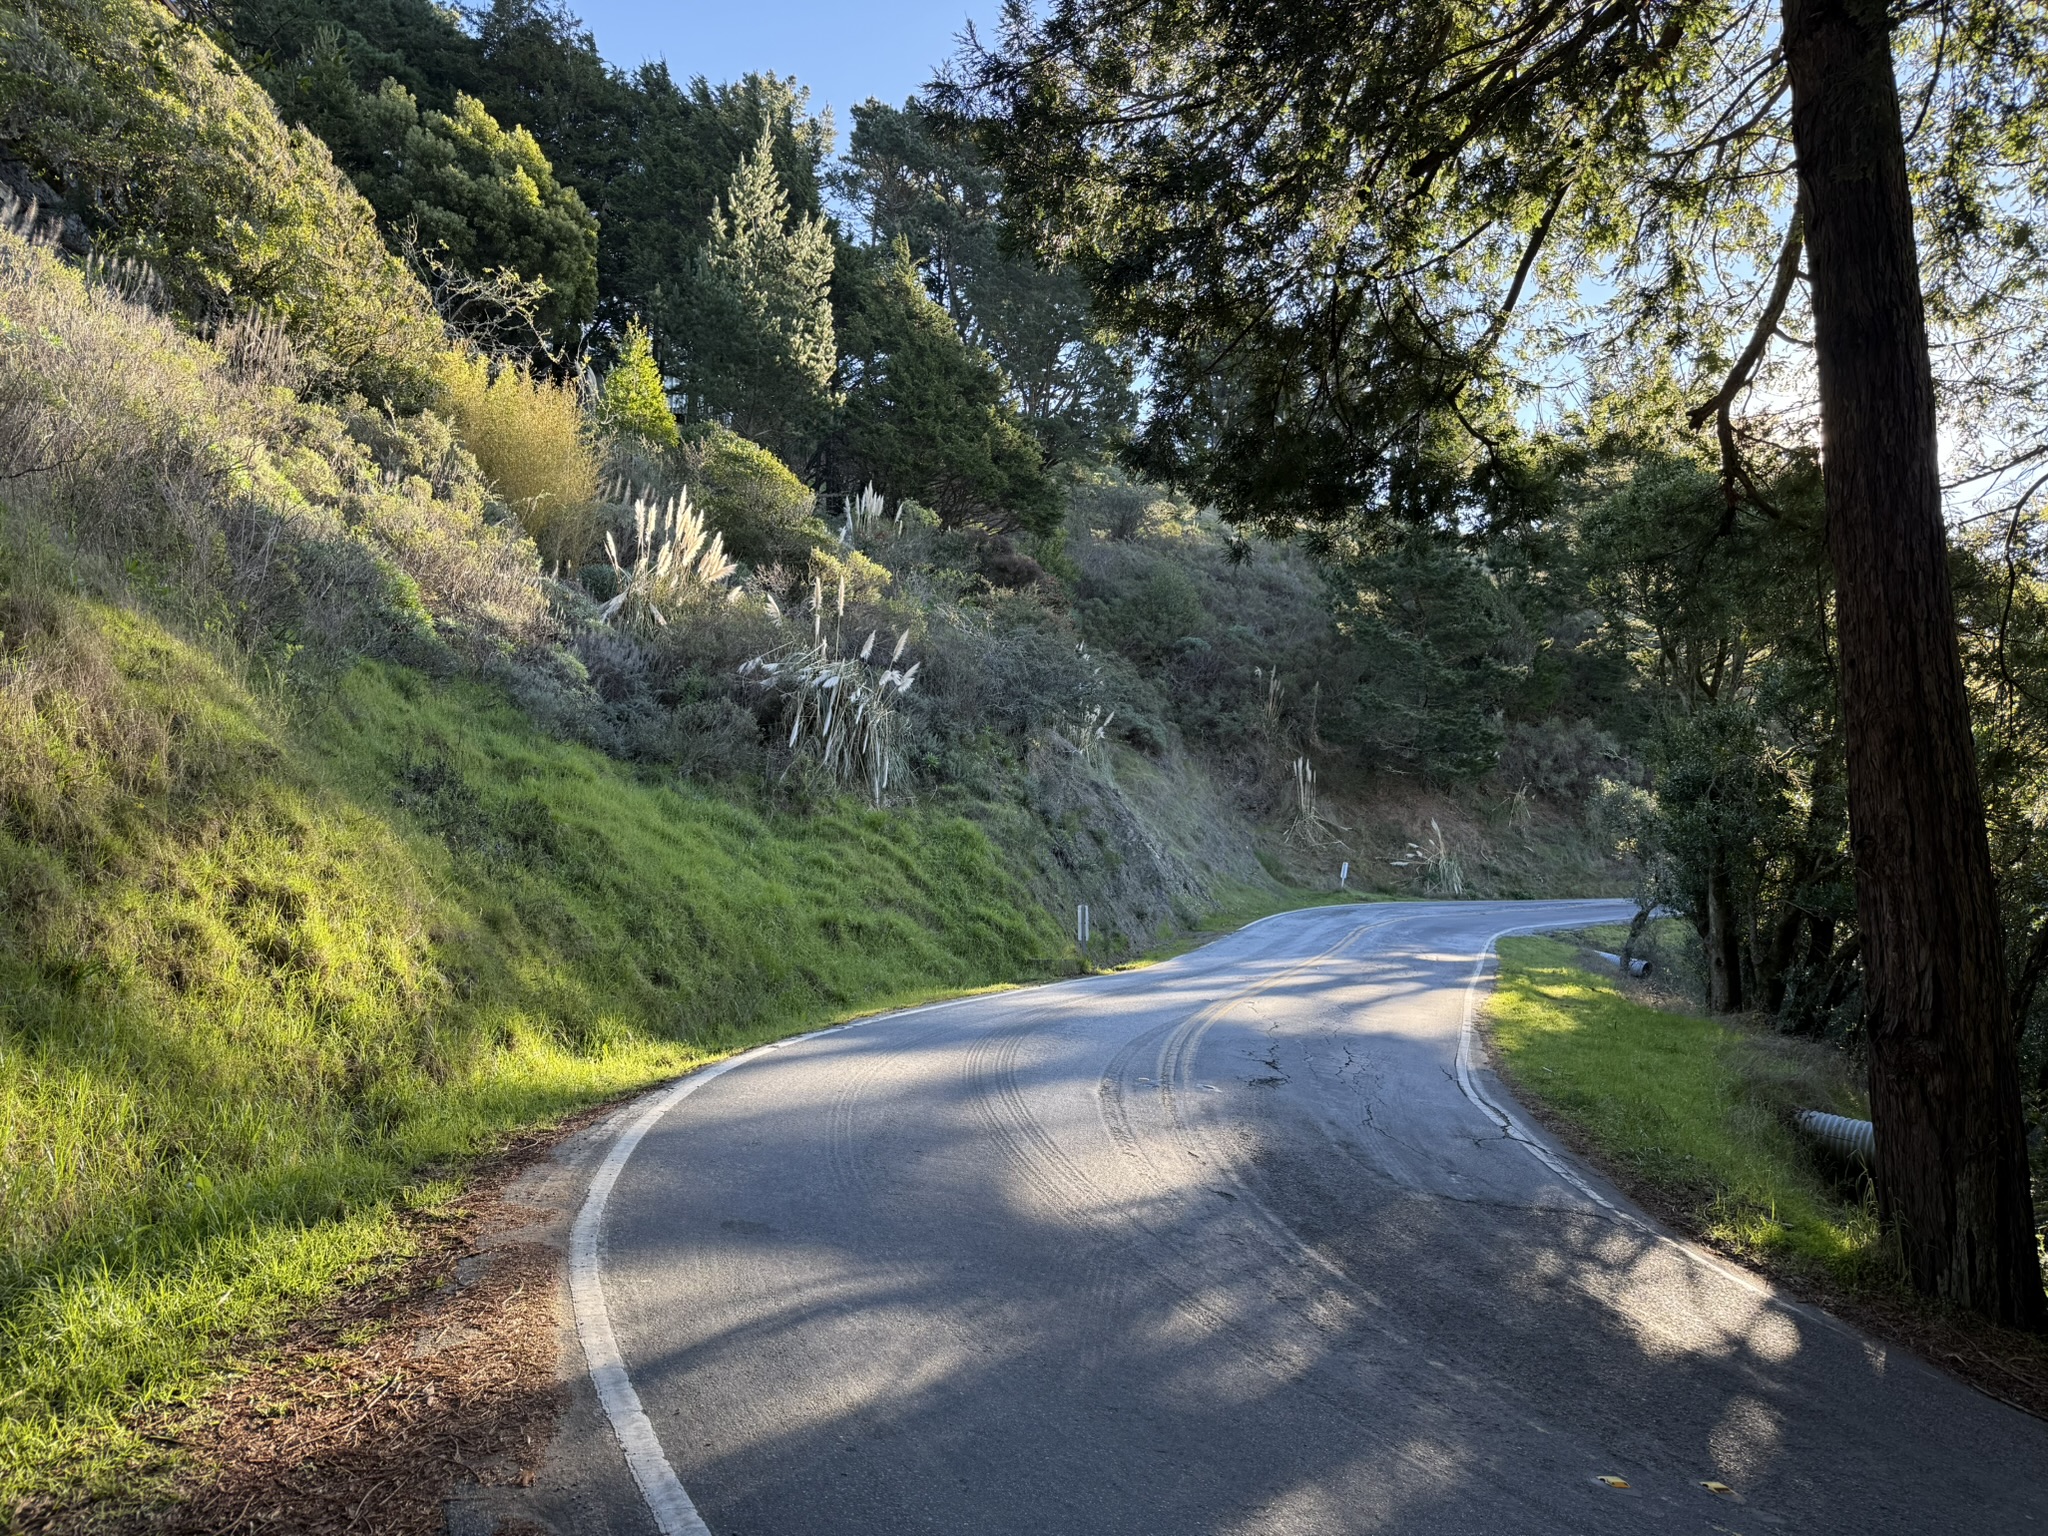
x=1346 y=227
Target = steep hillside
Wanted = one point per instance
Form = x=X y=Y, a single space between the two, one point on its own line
x=394 y=755
x=264 y=959
x=297 y=904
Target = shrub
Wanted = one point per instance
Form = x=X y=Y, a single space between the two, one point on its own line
x=766 y=513
x=231 y=503
x=633 y=398
x=532 y=441
x=484 y=196
x=1564 y=759
x=861 y=579
x=171 y=153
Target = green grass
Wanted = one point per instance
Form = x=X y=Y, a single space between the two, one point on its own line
x=1693 y=1111
x=265 y=974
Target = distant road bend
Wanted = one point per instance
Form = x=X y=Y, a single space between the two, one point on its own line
x=1237 y=1244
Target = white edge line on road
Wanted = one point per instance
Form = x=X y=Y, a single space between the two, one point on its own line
x=1516 y=1132
x=1512 y=1128
x=667 y=1500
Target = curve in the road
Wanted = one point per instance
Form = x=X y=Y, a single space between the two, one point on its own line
x=1251 y=1242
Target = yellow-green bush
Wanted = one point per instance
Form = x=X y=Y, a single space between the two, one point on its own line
x=765 y=512
x=634 y=398
x=532 y=439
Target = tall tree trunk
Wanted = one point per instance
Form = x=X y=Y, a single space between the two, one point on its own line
x=1944 y=1075
x=1724 y=943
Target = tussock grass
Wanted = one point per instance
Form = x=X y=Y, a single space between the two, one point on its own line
x=259 y=979
x=1694 y=1111
x=160 y=468
x=532 y=439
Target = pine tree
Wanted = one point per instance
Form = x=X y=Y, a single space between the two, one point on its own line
x=633 y=397
x=763 y=352
x=927 y=414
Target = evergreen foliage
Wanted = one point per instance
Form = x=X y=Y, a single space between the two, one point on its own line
x=649 y=156
x=633 y=397
x=762 y=353
x=926 y=412
x=461 y=186
x=168 y=152
x=1442 y=655
x=919 y=177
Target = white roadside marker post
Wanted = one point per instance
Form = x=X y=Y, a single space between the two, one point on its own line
x=1344 y=874
x=1081 y=928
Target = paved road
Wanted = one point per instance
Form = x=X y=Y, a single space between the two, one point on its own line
x=1224 y=1246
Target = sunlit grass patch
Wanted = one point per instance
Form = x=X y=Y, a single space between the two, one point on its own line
x=266 y=978
x=1694 y=1109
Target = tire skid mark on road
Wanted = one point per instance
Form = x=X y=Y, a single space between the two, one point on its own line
x=1113 y=1231
x=1310 y=1302
x=1176 y=1085
x=990 y=1069
x=1252 y=1228
x=848 y=1165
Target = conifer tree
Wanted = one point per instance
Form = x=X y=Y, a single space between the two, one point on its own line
x=633 y=397
x=762 y=352
x=927 y=413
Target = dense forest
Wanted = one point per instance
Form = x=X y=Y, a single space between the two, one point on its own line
x=947 y=505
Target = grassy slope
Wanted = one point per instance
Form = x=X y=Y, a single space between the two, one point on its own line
x=1693 y=1111
x=260 y=979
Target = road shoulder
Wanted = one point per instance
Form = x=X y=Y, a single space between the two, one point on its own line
x=448 y=1395
x=2008 y=1366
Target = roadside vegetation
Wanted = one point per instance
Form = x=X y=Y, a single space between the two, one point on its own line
x=488 y=622
x=263 y=971
x=1691 y=1111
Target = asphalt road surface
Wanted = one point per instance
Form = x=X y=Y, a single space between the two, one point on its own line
x=1230 y=1245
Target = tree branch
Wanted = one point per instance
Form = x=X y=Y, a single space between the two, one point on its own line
x=1722 y=406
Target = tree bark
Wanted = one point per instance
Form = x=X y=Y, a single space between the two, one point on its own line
x=1944 y=1075
x=1724 y=944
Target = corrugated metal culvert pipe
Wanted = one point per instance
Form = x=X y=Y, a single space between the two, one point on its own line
x=1839 y=1134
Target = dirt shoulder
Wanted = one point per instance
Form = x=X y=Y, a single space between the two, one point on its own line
x=427 y=1401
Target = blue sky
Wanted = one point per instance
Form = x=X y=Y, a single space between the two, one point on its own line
x=845 y=52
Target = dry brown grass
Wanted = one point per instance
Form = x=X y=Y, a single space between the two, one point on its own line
x=177 y=466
